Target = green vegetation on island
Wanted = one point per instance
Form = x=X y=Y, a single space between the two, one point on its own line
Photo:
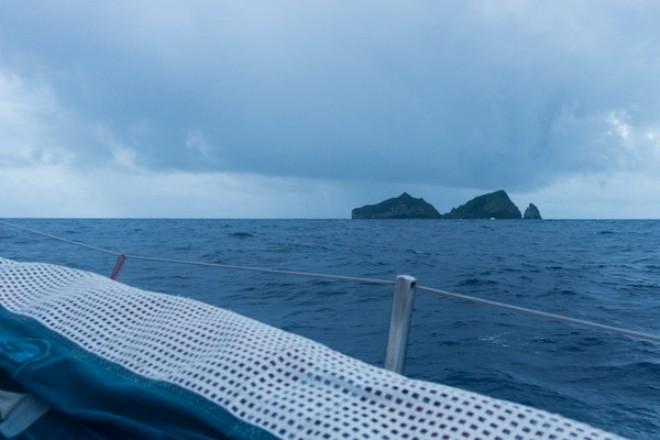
x=496 y=205
x=404 y=206
x=492 y=205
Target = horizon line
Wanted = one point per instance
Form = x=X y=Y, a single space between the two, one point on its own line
x=330 y=218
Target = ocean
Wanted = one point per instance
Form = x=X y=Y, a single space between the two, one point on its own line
x=606 y=271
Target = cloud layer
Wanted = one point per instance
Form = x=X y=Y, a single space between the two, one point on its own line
x=358 y=98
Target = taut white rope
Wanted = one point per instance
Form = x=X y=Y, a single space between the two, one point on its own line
x=582 y=322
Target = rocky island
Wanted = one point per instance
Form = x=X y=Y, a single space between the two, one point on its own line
x=492 y=205
x=496 y=205
x=532 y=213
x=404 y=206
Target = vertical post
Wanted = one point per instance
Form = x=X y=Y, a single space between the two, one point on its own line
x=118 y=265
x=397 y=343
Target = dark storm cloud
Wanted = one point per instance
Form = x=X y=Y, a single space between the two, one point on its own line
x=476 y=94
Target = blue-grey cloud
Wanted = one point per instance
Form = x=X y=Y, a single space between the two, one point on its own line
x=481 y=94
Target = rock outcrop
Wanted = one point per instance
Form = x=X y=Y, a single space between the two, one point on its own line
x=532 y=213
x=404 y=206
x=492 y=205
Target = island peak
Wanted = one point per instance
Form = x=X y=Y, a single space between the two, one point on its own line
x=403 y=207
x=496 y=205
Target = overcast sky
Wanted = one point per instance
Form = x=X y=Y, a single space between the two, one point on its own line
x=310 y=108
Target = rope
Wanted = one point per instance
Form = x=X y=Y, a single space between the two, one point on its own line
x=54 y=237
x=582 y=322
x=204 y=264
x=265 y=270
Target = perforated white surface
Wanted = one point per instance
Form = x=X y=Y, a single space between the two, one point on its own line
x=286 y=384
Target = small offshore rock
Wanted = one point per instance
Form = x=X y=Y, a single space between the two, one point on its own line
x=532 y=213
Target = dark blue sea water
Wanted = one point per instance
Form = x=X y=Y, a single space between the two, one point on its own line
x=608 y=271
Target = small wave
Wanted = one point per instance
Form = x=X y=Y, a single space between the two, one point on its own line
x=605 y=232
x=450 y=343
x=241 y=235
x=510 y=270
x=559 y=292
x=320 y=282
x=495 y=340
x=477 y=282
x=641 y=369
x=213 y=257
x=642 y=286
x=28 y=241
x=416 y=252
x=180 y=277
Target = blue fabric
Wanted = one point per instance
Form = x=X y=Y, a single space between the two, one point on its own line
x=54 y=425
x=94 y=398
x=20 y=412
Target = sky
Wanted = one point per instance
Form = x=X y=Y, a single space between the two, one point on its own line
x=307 y=109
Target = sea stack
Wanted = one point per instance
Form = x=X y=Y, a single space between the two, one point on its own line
x=492 y=205
x=404 y=206
x=532 y=213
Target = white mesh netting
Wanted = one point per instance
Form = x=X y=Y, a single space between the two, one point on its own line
x=288 y=385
